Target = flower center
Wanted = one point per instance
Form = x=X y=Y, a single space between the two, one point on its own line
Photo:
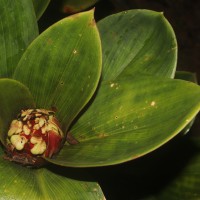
x=34 y=134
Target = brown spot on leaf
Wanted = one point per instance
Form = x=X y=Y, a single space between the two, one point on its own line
x=70 y=139
x=49 y=41
x=103 y=135
x=92 y=23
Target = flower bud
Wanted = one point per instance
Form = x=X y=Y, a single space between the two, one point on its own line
x=35 y=134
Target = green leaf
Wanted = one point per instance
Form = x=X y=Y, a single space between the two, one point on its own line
x=73 y=6
x=23 y=183
x=14 y=97
x=62 y=66
x=18 y=27
x=187 y=76
x=137 y=40
x=129 y=119
x=40 y=6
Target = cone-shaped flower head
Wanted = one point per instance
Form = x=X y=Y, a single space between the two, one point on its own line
x=34 y=134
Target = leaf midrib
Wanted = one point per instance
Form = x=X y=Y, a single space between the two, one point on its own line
x=42 y=187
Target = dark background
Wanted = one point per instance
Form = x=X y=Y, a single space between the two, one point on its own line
x=149 y=174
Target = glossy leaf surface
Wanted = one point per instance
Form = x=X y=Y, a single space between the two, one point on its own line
x=62 y=66
x=14 y=97
x=137 y=40
x=18 y=27
x=129 y=119
x=23 y=183
x=40 y=6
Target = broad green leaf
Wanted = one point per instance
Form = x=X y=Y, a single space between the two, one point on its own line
x=129 y=119
x=187 y=76
x=137 y=40
x=40 y=6
x=18 y=27
x=73 y=6
x=62 y=66
x=14 y=97
x=186 y=184
x=21 y=183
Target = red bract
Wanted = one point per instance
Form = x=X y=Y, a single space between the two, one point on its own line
x=33 y=135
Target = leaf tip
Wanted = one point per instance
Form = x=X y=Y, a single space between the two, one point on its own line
x=92 y=22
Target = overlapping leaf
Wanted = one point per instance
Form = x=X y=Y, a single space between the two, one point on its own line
x=62 y=66
x=187 y=76
x=129 y=120
x=22 y=183
x=14 y=97
x=137 y=40
x=40 y=6
x=133 y=113
x=18 y=27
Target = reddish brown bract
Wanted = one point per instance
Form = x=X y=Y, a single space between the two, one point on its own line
x=34 y=134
